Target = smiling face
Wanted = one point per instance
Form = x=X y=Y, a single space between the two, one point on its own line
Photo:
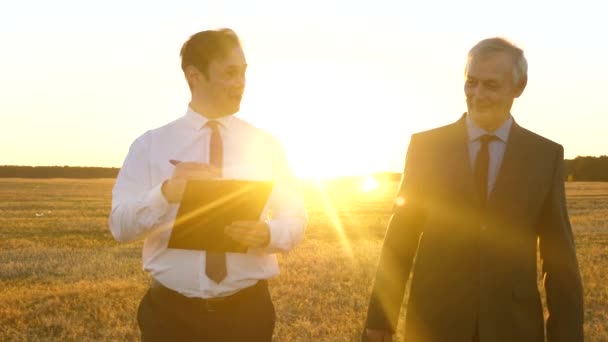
x=221 y=88
x=490 y=89
x=214 y=65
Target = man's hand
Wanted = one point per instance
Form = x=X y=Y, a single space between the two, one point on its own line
x=173 y=188
x=249 y=233
x=378 y=335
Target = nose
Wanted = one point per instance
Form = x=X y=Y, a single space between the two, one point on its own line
x=239 y=81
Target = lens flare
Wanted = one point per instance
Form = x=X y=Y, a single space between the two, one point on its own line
x=369 y=184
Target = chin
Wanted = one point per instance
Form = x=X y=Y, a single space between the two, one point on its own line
x=484 y=115
x=232 y=110
x=235 y=109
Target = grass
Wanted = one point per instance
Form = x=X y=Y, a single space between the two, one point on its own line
x=63 y=277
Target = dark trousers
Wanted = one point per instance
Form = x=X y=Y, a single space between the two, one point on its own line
x=165 y=315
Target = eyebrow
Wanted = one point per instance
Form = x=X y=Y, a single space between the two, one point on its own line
x=494 y=80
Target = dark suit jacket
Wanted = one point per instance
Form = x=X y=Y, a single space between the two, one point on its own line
x=479 y=268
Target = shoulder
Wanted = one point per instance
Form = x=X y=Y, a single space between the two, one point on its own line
x=161 y=133
x=169 y=128
x=438 y=136
x=435 y=133
x=260 y=145
x=253 y=134
x=539 y=140
x=537 y=147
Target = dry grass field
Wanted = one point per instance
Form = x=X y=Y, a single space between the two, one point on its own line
x=63 y=277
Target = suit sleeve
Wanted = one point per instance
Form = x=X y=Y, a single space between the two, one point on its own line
x=399 y=247
x=559 y=263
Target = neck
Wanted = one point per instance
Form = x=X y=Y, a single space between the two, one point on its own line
x=492 y=125
x=205 y=108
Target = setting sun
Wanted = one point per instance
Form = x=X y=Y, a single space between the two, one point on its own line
x=369 y=184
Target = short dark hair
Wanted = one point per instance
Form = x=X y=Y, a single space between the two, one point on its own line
x=203 y=47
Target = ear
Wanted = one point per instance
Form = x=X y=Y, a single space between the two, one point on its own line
x=519 y=88
x=193 y=76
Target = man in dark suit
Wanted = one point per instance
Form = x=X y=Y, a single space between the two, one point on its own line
x=475 y=199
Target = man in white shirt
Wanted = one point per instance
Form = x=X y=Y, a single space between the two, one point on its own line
x=196 y=295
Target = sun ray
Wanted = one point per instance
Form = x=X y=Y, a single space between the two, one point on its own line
x=334 y=219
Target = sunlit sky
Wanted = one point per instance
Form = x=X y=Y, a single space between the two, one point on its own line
x=343 y=84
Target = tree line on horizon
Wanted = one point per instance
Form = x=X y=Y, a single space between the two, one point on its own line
x=582 y=168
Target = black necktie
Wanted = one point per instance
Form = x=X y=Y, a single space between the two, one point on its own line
x=215 y=263
x=482 y=163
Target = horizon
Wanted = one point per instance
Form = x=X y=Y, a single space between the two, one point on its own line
x=306 y=177
x=372 y=178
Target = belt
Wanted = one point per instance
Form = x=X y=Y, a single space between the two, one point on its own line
x=208 y=304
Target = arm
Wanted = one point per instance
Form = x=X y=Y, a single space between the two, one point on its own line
x=399 y=248
x=137 y=205
x=285 y=227
x=559 y=264
x=286 y=204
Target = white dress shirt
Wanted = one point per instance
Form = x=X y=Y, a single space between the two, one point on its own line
x=496 y=147
x=139 y=209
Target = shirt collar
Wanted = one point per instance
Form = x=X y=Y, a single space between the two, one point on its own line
x=475 y=131
x=198 y=121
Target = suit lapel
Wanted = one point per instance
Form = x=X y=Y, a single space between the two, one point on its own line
x=459 y=161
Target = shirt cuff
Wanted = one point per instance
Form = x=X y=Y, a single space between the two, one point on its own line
x=284 y=234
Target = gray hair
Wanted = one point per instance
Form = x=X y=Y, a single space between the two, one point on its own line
x=494 y=45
